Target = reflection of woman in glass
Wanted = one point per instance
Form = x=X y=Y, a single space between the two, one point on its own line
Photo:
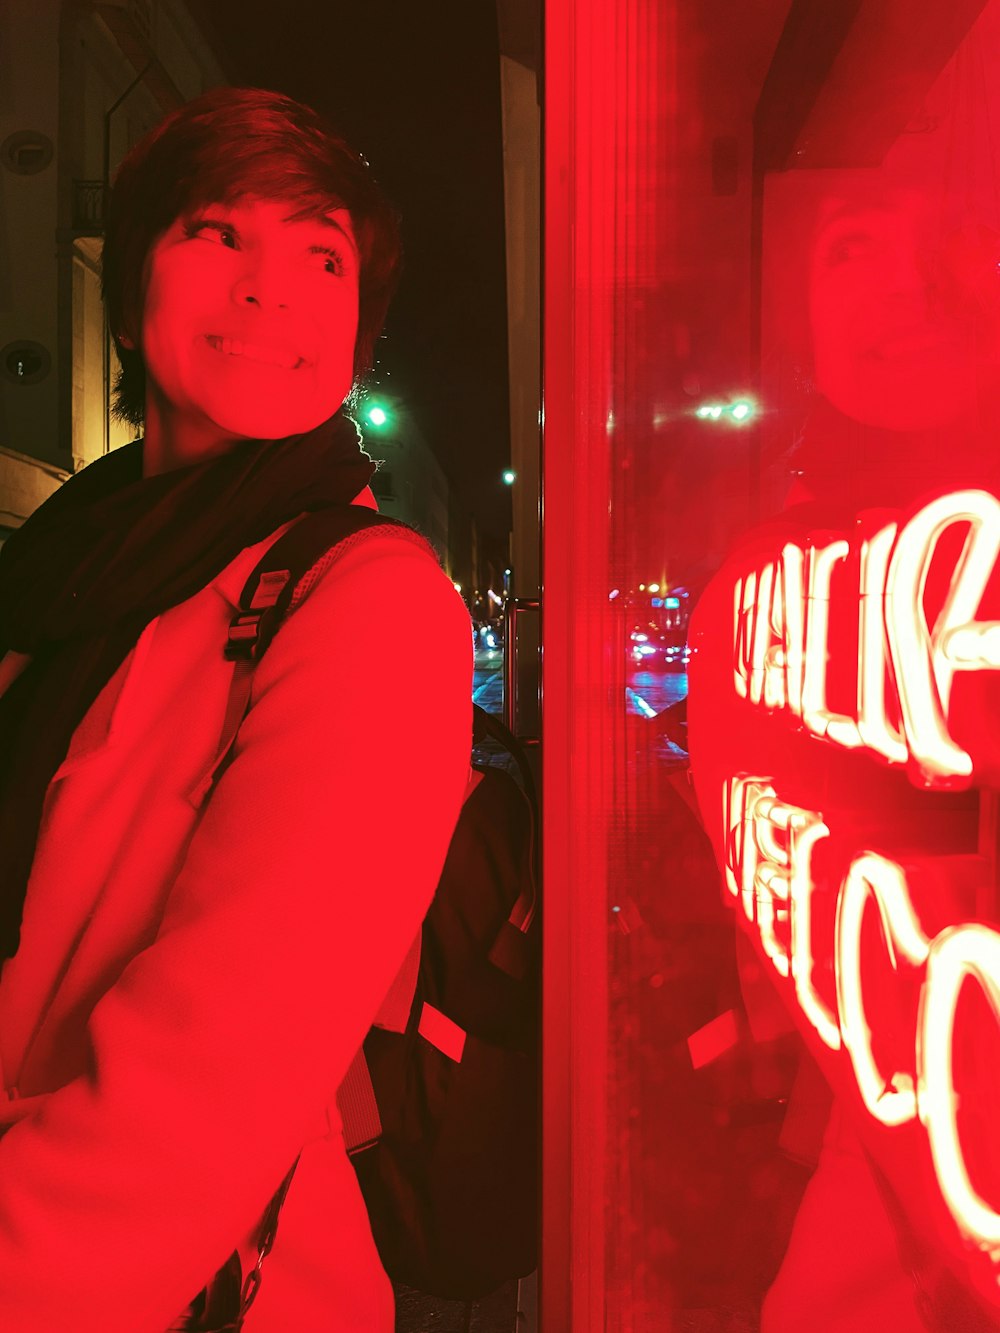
x=904 y=316
x=904 y=322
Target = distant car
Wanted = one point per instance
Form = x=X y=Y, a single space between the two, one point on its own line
x=486 y=637
x=652 y=648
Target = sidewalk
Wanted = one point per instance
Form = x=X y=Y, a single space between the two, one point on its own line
x=497 y=1313
x=488 y=682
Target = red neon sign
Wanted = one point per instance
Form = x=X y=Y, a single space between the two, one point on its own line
x=782 y=634
x=914 y=595
x=768 y=872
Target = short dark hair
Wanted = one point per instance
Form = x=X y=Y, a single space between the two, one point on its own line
x=224 y=145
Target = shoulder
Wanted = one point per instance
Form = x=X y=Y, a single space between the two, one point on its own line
x=380 y=637
x=381 y=597
x=395 y=569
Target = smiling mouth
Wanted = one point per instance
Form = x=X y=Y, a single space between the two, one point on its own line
x=248 y=351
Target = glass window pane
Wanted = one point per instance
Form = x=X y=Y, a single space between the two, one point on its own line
x=772 y=664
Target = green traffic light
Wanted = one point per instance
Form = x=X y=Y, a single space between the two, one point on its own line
x=376 y=416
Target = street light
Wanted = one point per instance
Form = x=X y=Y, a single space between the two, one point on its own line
x=509 y=477
x=376 y=415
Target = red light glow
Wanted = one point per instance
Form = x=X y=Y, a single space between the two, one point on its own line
x=871 y=878
x=878 y=988
x=967 y=952
x=907 y=663
x=769 y=871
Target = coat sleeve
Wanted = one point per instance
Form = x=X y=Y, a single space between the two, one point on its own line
x=214 y=1055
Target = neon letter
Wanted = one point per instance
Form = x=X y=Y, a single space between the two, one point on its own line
x=740 y=798
x=771 y=886
x=806 y=830
x=745 y=597
x=761 y=632
x=873 y=723
x=925 y=659
x=774 y=673
x=958 y=953
x=768 y=854
x=792 y=576
x=890 y=1100
x=839 y=728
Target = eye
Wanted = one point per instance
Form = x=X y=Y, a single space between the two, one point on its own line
x=214 y=227
x=333 y=259
x=848 y=247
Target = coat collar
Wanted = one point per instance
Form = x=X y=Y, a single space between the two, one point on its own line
x=95 y=730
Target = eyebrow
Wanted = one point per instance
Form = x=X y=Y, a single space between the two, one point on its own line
x=852 y=212
x=323 y=220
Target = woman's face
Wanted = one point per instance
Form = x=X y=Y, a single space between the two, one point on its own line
x=900 y=331
x=249 y=322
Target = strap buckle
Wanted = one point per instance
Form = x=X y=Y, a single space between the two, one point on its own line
x=244 y=643
x=244 y=636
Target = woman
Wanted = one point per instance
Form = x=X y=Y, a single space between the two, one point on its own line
x=186 y=984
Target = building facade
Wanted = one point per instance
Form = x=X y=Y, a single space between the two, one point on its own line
x=86 y=81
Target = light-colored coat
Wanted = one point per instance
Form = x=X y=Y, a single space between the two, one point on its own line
x=192 y=983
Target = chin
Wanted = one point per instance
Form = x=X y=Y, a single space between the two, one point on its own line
x=267 y=422
x=907 y=404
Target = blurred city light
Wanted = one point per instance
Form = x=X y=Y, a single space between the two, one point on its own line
x=740 y=411
x=377 y=416
x=509 y=478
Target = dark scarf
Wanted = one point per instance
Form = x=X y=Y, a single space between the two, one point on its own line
x=109 y=552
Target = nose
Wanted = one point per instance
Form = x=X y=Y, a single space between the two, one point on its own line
x=906 y=270
x=910 y=283
x=262 y=285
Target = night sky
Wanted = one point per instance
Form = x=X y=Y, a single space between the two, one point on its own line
x=416 y=88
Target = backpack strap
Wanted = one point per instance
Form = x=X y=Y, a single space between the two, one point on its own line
x=309 y=547
x=269 y=592
x=511 y=950
x=268 y=596
x=360 y=1121
x=359 y=1115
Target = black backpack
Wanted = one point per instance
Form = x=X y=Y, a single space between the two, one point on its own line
x=440 y=1108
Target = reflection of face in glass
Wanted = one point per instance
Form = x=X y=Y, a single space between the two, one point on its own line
x=903 y=322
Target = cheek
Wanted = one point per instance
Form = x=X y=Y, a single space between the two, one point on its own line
x=161 y=348
x=159 y=315
x=831 y=343
x=835 y=297
x=339 y=333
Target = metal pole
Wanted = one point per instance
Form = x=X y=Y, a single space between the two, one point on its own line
x=515 y=605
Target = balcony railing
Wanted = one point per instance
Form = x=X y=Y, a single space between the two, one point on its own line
x=89 y=206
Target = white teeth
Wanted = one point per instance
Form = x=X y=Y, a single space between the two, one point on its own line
x=265 y=355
